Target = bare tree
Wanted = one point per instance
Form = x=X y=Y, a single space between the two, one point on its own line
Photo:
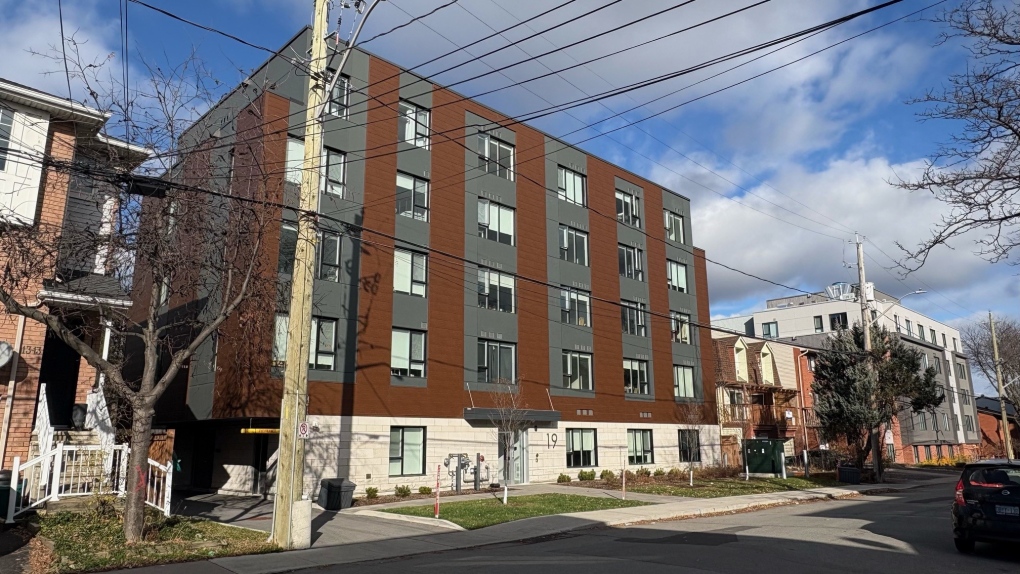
x=186 y=240
x=976 y=173
x=508 y=417
x=977 y=341
x=693 y=414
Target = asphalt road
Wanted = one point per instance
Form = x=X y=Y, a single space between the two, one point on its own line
x=902 y=533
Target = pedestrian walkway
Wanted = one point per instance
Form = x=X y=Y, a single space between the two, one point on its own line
x=409 y=540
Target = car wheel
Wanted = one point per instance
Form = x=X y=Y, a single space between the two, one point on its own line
x=963 y=545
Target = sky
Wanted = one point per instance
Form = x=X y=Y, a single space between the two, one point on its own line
x=782 y=169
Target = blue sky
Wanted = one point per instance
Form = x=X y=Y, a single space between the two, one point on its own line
x=781 y=170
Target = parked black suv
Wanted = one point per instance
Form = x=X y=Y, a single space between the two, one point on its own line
x=987 y=504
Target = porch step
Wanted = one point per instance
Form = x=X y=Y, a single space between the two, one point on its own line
x=76 y=437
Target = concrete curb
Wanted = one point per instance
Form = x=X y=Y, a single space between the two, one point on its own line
x=415 y=519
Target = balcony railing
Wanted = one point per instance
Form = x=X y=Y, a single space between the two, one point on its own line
x=760 y=415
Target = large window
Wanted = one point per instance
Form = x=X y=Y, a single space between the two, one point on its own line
x=339 y=99
x=407 y=451
x=632 y=314
x=6 y=124
x=909 y=327
x=288 y=243
x=573 y=245
x=495 y=222
x=575 y=307
x=770 y=330
x=407 y=353
x=413 y=124
x=690 y=445
x=639 y=447
x=628 y=209
x=322 y=348
x=497 y=362
x=495 y=156
x=294 y=162
x=280 y=340
x=577 y=371
x=582 y=448
x=968 y=423
x=920 y=331
x=676 y=276
x=937 y=364
x=932 y=338
x=496 y=291
x=961 y=373
x=327 y=256
x=635 y=377
x=334 y=167
x=674 y=226
x=410 y=272
x=838 y=321
x=819 y=325
x=680 y=327
x=683 y=382
x=571 y=186
x=412 y=197
x=631 y=262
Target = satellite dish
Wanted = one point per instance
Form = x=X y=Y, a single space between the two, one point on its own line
x=6 y=353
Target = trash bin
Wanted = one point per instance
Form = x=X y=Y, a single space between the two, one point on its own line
x=5 y=493
x=336 y=493
x=849 y=474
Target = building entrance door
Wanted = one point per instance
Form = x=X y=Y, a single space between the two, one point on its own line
x=515 y=463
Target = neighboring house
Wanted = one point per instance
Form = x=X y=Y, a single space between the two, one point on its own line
x=408 y=343
x=45 y=379
x=990 y=423
x=810 y=319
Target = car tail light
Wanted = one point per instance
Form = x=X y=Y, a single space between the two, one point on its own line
x=959 y=494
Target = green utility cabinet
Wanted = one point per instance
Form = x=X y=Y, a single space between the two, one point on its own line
x=764 y=456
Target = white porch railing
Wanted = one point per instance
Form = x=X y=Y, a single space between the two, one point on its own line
x=82 y=471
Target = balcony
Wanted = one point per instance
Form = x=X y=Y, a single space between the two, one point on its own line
x=781 y=417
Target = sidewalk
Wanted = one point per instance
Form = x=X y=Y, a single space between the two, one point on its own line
x=671 y=509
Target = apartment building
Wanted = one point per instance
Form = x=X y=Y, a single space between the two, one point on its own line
x=810 y=319
x=458 y=250
x=43 y=381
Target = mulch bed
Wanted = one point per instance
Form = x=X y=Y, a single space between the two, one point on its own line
x=384 y=499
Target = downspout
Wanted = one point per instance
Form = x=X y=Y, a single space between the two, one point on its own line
x=12 y=384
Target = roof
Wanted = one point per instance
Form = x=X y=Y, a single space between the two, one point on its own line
x=57 y=107
x=991 y=404
x=88 y=290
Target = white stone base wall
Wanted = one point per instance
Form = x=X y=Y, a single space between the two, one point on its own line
x=357 y=448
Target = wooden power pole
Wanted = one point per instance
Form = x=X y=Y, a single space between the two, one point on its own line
x=1006 y=439
x=876 y=451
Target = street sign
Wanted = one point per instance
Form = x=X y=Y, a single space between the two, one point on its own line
x=304 y=430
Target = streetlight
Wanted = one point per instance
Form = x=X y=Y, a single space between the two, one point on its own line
x=914 y=292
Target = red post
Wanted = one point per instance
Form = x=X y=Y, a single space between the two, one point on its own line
x=438 y=467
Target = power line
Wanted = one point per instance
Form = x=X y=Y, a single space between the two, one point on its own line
x=408 y=23
x=63 y=49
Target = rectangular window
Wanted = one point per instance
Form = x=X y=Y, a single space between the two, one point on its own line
x=327 y=256
x=496 y=291
x=577 y=373
x=571 y=186
x=407 y=451
x=945 y=421
x=676 y=276
x=770 y=330
x=6 y=125
x=922 y=421
x=631 y=262
x=917 y=454
x=819 y=324
x=628 y=209
x=890 y=451
x=334 y=167
x=288 y=243
x=407 y=353
x=639 y=447
x=413 y=124
x=294 y=162
x=495 y=222
x=575 y=307
x=938 y=451
x=497 y=362
x=837 y=321
x=956 y=423
x=964 y=398
x=410 y=272
x=680 y=327
x=935 y=422
x=412 y=197
x=927 y=452
x=690 y=445
x=968 y=423
x=937 y=364
x=635 y=377
x=931 y=338
x=632 y=314
x=920 y=331
x=950 y=451
x=955 y=348
x=683 y=382
x=908 y=327
x=322 y=348
x=495 y=156
x=896 y=320
x=280 y=340
x=674 y=226
x=950 y=394
x=944 y=344
x=338 y=100
x=582 y=448
x=573 y=245
x=924 y=361
x=960 y=372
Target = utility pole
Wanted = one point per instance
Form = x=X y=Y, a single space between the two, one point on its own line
x=290 y=462
x=876 y=454
x=1007 y=440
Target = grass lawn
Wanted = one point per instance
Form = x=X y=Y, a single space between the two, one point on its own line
x=715 y=488
x=474 y=514
x=89 y=541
